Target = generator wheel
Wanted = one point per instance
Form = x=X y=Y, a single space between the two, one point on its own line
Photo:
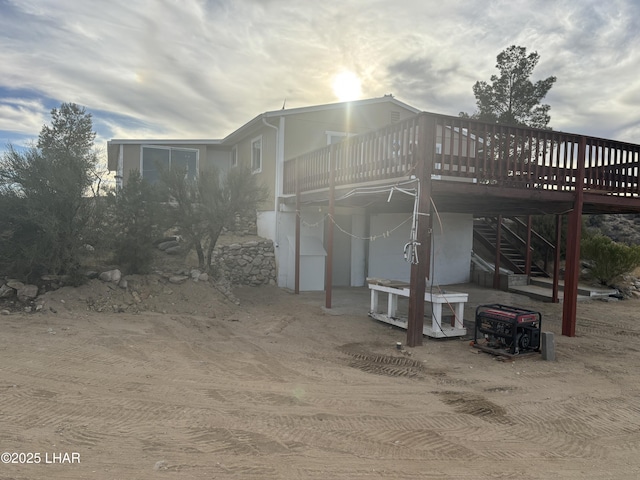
x=524 y=342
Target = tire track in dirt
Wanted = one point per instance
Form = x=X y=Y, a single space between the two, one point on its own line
x=237 y=442
x=572 y=430
x=475 y=405
x=606 y=328
x=363 y=359
x=441 y=436
x=270 y=399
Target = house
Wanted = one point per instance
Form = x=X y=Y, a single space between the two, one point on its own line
x=376 y=188
x=265 y=143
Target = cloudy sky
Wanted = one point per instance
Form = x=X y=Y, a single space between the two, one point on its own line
x=202 y=68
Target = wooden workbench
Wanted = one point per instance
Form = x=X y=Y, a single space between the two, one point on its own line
x=453 y=303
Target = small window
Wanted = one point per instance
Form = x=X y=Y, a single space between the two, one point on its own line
x=256 y=155
x=234 y=156
x=337 y=137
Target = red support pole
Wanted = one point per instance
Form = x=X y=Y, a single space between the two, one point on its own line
x=419 y=271
x=572 y=267
x=496 y=272
x=556 y=261
x=328 y=276
x=527 y=258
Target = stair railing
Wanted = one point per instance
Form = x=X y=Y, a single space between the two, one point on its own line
x=539 y=244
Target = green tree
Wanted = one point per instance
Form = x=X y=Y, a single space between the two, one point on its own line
x=134 y=224
x=610 y=259
x=203 y=207
x=44 y=210
x=512 y=98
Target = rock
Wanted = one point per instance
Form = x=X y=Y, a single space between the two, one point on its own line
x=203 y=277
x=27 y=293
x=6 y=291
x=178 y=279
x=168 y=244
x=111 y=276
x=123 y=283
x=195 y=274
x=173 y=250
x=15 y=284
x=5 y=312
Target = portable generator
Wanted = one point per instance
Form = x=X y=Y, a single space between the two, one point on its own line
x=508 y=329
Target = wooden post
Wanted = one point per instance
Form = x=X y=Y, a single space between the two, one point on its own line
x=572 y=267
x=419 y=271
x=556 y=261
x=496 y=272
x=328 y=275
x=527 y=257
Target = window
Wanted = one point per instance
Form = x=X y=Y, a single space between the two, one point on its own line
x=234 y=156
x=336 y=137
x=156 y=159
x=256 y=155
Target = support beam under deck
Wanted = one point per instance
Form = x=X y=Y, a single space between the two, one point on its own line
x=572 y=267
x=420 y=270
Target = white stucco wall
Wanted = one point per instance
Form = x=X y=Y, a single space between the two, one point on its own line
x=358 y=250
x=451 y=248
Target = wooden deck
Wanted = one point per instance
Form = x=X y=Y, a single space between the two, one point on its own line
x=477 y=167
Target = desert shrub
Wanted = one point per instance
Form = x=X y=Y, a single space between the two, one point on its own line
x=134 y=215
x=201 y=208
x=44 y=195
x=610 y=259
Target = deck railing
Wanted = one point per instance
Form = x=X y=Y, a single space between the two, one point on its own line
x=472 y=151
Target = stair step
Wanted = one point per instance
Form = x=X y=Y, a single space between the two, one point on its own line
x=583 y=290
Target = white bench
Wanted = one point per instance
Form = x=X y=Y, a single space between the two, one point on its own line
x=453 y=301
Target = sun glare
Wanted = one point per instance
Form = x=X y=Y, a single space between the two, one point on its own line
x=346 y=86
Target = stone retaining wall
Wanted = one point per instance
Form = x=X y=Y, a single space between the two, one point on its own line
x=252 y=263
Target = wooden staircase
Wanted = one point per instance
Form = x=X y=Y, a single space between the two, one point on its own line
x=512 y=246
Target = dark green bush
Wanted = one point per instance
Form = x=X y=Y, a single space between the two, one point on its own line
x=134 y=220
x=610 y=259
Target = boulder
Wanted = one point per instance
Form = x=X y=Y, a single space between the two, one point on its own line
x=111 y=276
x=6 y=291
x=178 y=279
x=27 y=293
x=168 y=244
x=15 y=284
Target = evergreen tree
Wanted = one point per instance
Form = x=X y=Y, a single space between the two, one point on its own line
x=42 y=194
x=512 y=98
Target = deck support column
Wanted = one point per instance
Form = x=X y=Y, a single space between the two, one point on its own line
x=556 y=261
x=527 y=257
x=496 y=271
x=420 y=271
x=328 y=273
x=572 y=267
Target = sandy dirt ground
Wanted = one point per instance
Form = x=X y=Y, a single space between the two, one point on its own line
x=189 y=385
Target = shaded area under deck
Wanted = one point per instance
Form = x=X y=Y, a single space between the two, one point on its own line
x=464 y=166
